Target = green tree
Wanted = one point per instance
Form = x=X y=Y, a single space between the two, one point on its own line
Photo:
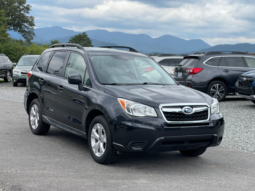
x=54 y=42
x=81 y=39
x=4 y=36
x=18 y=13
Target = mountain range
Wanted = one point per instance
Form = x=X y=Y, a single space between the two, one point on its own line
x=141 y=42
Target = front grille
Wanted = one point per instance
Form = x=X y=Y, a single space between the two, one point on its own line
x=245 y=81
x=2 y=72
x=172 y=116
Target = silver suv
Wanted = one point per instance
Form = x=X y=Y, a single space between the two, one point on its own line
x=6 y=67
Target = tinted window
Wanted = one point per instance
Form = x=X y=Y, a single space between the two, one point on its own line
x=75 y=65
x=165 y=62
x=175 y=62
x=190 y=62
x=250 y=62
x=213 y=61
x=42 y=64
x=87 y=81
x=57 y=63
x=235 y=61
x=223 y=62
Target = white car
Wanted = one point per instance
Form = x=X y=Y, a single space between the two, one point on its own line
x=168 y=62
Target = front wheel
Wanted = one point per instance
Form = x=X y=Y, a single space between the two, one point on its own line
x=8 y=77
x=100 y=141
x=193 y=153
x=218 y=90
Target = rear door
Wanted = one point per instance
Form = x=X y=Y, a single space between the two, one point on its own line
x=231 y=67
x=72 y=102
x=180 y=71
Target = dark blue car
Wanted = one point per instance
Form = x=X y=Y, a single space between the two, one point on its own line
x=245 y=86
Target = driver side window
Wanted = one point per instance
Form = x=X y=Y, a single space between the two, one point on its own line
x=75 y=65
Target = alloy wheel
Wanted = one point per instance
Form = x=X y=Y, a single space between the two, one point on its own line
x=34 y=116
x=98 y=139
x=217 y=91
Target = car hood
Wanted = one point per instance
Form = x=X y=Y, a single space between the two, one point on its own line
x=23 y=68
x=154 y=95
x=250 y=73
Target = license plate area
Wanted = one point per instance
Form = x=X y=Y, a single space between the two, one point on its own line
x=179 y=74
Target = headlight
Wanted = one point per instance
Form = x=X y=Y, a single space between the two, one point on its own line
x=137 y=109
x=215 y=108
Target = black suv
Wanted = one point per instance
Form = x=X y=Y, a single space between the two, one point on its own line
x=214 y=73
x=109 y=97
x=6 y=67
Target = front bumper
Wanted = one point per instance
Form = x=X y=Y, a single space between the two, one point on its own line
x=19 y=78
x=146 y=134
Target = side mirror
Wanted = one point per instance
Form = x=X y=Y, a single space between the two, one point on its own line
x=76 y=79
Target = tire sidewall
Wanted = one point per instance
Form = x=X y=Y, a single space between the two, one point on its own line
x=109 y=148
x=217 y=82
x=37 y=130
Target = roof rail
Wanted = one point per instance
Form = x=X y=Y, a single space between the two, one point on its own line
x=162 y=55
x=68 y=44
x=130 y=49
x=225 y=52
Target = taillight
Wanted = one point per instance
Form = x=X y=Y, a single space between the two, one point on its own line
x=193 y=70
x=29 y=74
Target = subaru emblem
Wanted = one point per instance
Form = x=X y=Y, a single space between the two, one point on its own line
x=187 y=110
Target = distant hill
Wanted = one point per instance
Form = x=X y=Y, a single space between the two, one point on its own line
x=242 y=47
x=141 y=42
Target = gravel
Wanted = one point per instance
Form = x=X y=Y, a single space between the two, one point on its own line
x=238 y=114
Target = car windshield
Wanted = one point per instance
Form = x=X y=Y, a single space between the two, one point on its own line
x=27 y=61
x=129 y=70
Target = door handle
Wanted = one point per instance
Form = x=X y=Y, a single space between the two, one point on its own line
x=41 y=80
x=60 y=88
x=225 y=70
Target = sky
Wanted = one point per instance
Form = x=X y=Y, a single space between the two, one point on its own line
x=214 y=21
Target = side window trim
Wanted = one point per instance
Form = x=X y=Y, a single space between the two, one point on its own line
x=84 y=83
x=223 y=57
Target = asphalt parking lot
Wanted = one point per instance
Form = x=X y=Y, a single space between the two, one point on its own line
x=61 y=161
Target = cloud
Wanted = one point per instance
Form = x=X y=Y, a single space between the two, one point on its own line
x=212 y=21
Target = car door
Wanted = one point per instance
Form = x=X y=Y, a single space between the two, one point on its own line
x=72 y=102
x=231 y=67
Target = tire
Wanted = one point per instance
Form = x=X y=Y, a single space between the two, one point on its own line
x=218 y=90
x=193 y=153
x=37 y=126
x=100 y=147
x=253 y=101
x=14 y=84
x=8 y=76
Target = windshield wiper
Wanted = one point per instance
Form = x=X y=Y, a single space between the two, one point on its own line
x=145 y=83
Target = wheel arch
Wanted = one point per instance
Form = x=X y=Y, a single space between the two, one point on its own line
x=30 y=98
x=91 y=115
x=217 y=79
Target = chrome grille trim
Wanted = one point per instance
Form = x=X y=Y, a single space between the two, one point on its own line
x=197 y=106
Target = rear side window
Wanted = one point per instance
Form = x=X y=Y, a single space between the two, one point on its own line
x=57 y=63
x=165 y=62
x=190 y=62
x=213 y=61
x=42 y=64
x=175 y=62
x=235 y=61
x=250 y=62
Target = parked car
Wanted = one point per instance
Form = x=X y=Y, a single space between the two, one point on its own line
x=245 y=84
x=6 y=67
x=214 y=73
x=168 y=61
x=23 y=66
x=103 y=95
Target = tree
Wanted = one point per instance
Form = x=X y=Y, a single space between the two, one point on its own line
x=17 y=11
x=54 y=42
x=4 y=36
x=81 y=39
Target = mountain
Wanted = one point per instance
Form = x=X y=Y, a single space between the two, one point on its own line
x=141 y=42
x=243 y=47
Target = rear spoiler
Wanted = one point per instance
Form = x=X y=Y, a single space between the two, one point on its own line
x=190 y=57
